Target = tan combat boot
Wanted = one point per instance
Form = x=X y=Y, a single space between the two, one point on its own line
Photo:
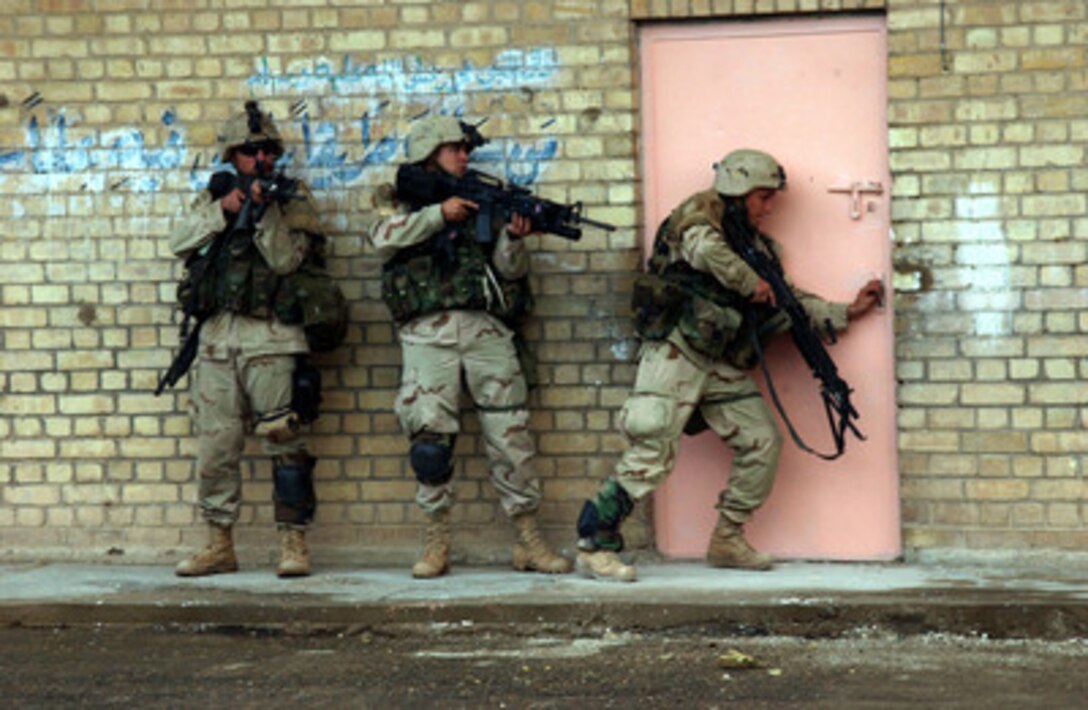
x=605 y=565
x=294 y=555
x=217 y=557
x=435 y=560
x=531 y=553
x=728 y=548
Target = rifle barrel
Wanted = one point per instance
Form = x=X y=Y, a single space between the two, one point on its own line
x=599 y=225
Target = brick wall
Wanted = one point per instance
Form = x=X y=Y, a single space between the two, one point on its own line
x=108 y=116
x=988 y=146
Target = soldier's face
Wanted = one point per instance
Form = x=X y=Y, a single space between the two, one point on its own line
x=453 y=158
x=248 y=157
x=759 y=203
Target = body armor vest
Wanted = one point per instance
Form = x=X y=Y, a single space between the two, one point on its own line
x=234 y=277
x=237 y=280
x=716 y=321
x=451 y=271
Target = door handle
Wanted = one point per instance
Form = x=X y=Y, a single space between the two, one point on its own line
x=856 y=190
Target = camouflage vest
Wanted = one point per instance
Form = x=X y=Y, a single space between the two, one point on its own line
x=451 y=271
x=235 y=279
x=671 y=295
x=238 y=280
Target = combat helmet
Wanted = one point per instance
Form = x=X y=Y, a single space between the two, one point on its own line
x=742 y=171
x=427 y=134
x=249 y=126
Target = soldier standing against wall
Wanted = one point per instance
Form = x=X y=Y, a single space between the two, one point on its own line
x=692 y=363
x=252 y=264
x=455 y=296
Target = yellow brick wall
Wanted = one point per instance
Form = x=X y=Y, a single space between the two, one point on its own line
x=990 y=211
x=108 y=116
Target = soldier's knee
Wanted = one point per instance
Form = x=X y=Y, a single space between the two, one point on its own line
x=279 y=426
x=431 y=457
x=648 y=416
x=764 y=443
x=769 y=441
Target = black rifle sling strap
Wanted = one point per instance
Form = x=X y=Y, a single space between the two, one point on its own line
x=838 y=432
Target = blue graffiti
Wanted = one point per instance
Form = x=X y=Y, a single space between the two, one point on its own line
x=327 y=156
x=51 y=152
x=511 y=70
x=326 y=164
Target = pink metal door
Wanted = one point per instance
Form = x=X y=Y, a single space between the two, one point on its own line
x=811 y=93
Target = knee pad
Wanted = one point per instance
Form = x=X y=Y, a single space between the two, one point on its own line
x=431 y=457
x=648 y=416
x=600 y=519
x=293 y=489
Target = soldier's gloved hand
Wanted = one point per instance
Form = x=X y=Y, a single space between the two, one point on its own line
x=456 y=209
x=519 y=226
x=232 y=201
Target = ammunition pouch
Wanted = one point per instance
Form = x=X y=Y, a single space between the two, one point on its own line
x=311 y=298
x=422 y=279
x=709 y=327
x=656 y=304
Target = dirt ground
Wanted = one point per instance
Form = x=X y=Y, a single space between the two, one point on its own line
x=509 y=667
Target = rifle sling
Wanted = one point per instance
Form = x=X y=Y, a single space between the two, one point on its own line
x=838 y=433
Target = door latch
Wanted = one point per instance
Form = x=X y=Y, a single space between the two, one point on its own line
x=856 y=190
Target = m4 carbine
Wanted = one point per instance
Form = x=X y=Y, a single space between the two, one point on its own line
x=833 y=389
x=418 y=187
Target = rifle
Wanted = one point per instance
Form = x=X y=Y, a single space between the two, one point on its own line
x=834 y=391
x=275 y=187
x=420 y=187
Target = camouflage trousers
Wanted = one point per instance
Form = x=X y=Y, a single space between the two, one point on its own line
x=442 y=350
x=228 y=397
x=669 y=387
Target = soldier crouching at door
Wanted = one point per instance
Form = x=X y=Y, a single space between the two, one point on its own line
x=455 y=296
x=254 y=254
x=691 y=373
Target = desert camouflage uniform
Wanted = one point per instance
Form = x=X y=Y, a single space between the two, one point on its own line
x=674 y=379
x=244 y=366
x=439 y=348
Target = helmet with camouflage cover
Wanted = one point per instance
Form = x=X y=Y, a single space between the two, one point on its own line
x=249 y=126
x=742 y=171
x=429 y=133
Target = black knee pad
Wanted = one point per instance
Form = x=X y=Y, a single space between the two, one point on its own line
x=293 y=490
x=431 y=457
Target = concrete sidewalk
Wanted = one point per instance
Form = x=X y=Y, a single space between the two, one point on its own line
x=812 y=599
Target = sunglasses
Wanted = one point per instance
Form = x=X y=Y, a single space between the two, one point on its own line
x=251 y=150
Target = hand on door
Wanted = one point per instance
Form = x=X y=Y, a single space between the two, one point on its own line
x=869 y=295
